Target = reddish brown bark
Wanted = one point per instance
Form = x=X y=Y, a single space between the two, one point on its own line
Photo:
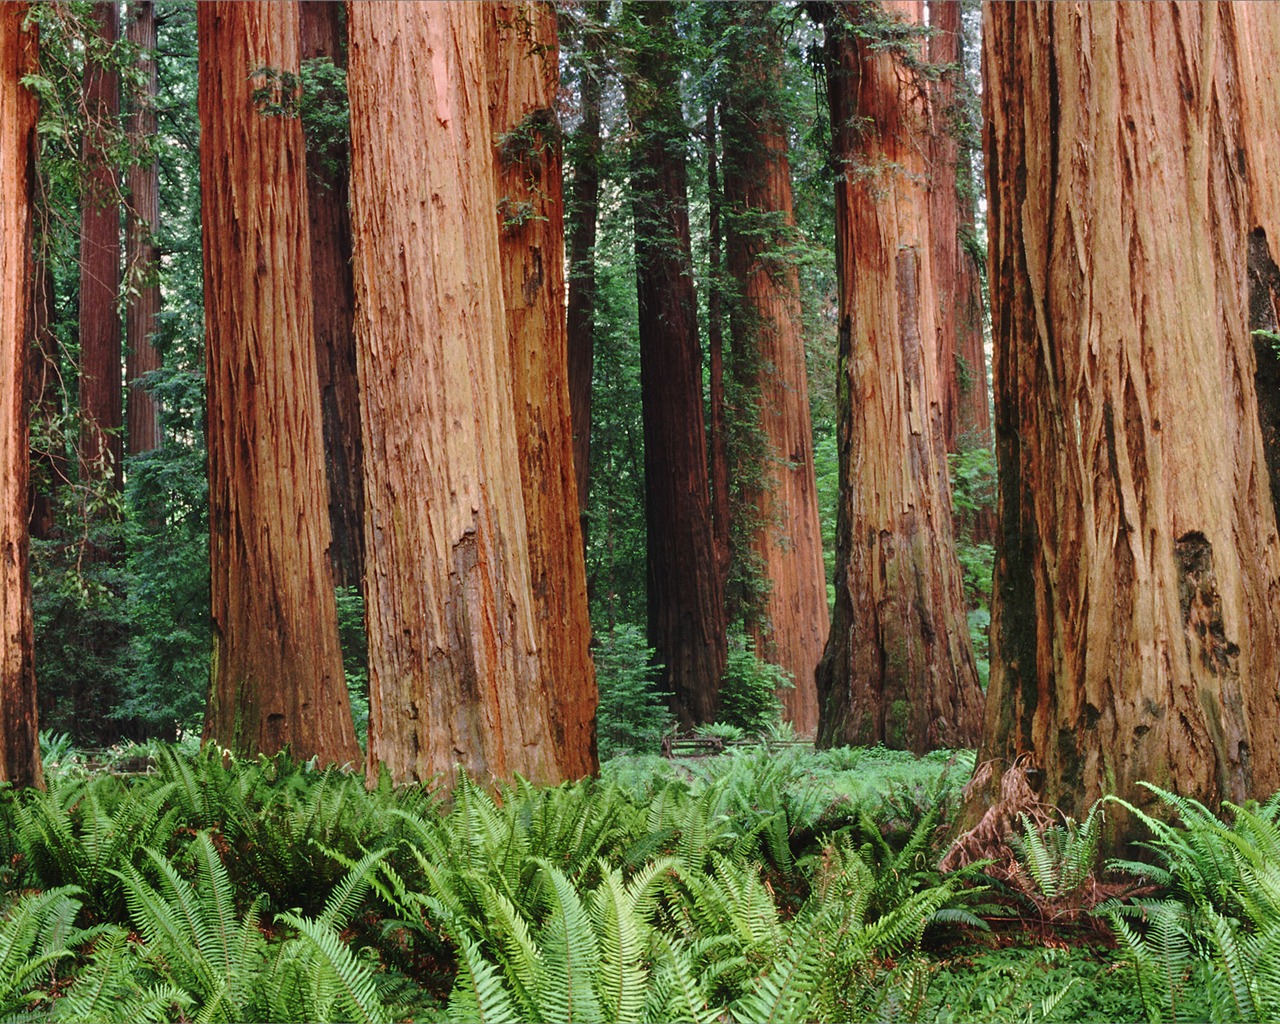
x=142 y=257
x=524 y=76
x=769 y=362
x=1134 y=633
x=277 y=665
x=686 y=595
x=580 y=215
x=101 y=385
x=19 y=741
x=454 y=668
x=962 y=359
x=898 y=667
x=333 y=303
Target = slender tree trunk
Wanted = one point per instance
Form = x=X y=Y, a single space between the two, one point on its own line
x=45 y=402
x=101 y=386
x=1135 y=633
x=962 y=358
x=768 y=359
x=898 y=667
x=524 y=76
x=19 y=741
x=142 y=257
x=454 y=668
x=719 y=446
x=686 y=596
x=277 y=665
x=581 y=214
x=333 y=304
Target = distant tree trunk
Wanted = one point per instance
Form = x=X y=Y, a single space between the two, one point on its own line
x=142 y=257
x=768 y=359
x=1135 y=633
x=19 y=740
x=719 y=446
x=454 y=669
x=333 y=303
x=686 y=596
x=581 y=214
x=962 y=358
x=45 y=402
x=101 y=387
x=277 y=665
x=524 y=75
x=898 y=667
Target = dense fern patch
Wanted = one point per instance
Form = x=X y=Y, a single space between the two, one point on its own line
x=759 y=885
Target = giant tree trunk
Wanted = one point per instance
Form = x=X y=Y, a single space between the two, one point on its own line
x=19 y=741
x=580 y=216
x=101 y=394
x=524 y=75
x=1135 y=633
x=768 y=359
x=898 y=667
x=454 y=669
x=685 y=592
x=277 y=665
x=142 y=257
x=962 y=357
x=333 y=303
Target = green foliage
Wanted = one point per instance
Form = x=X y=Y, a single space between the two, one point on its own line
x=632 y=713
x=749 y=691
x=1059 y=857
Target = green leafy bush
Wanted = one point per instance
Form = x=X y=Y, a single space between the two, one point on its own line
x=749 y=691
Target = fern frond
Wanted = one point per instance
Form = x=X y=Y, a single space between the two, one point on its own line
x=348 y=894
x=570 y=952
x=621 y=977
x=357 y=998
x=479 y=996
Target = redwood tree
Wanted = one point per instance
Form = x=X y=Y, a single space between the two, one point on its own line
x=685 y=590
x=142 y=220
x=454 y=669
x=1135 y=632
x=277 y=664
x=524 y=74
x=961 y=349
x=19 y=741
x=581 y=212
x=333 y=305
x=898 y=667
x=769 y=363
x=101 y=386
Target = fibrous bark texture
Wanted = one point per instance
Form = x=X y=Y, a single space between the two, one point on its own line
x=101 y=386
x=685 y=592
x=333 y=303
x=19 y=742
x=1134 y=632
x=768 y=359
x=454 y=669
x=142 y=257
x=962 y=357
x=524 y=74
x=898 y=667
x=277 y=665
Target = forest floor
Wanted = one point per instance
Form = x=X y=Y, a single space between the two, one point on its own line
x=778 y=884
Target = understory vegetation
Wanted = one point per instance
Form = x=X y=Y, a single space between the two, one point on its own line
x=163 y=883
